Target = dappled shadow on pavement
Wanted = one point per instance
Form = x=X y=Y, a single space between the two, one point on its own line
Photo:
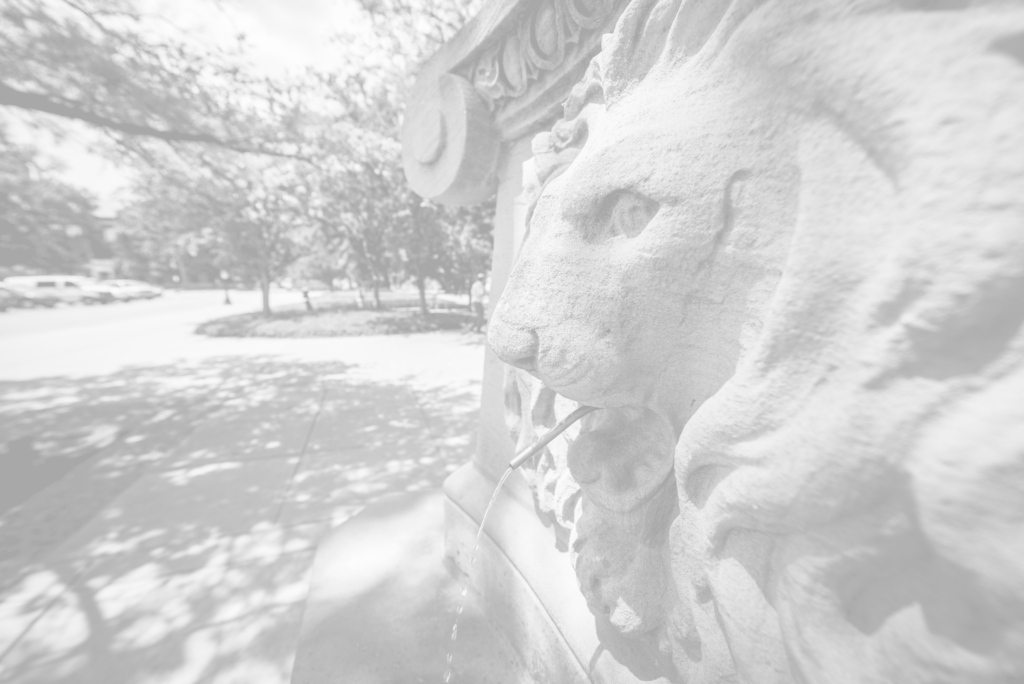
x=147 y=411
x=170 y=540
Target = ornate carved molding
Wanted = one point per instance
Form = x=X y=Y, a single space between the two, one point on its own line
x=538 y=44
x=504 y=76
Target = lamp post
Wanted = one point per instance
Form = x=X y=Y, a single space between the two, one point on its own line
x=224 y=279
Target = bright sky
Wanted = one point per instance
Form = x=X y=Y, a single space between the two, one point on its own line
x=284 y=35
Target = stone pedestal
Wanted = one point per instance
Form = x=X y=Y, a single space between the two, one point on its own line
x=381 y=601
x=523 y=576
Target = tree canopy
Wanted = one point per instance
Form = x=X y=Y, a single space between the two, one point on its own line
x=237 y=171
x=43 y=221
x=98 y=62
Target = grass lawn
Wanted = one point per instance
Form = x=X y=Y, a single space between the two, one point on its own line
x=337 y=317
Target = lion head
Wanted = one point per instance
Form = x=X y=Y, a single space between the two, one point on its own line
x=790 y=236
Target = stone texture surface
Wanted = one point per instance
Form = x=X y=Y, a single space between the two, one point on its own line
x=781 y=244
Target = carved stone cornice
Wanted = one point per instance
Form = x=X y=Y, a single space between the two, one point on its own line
x=539 y=43
x=503 y=76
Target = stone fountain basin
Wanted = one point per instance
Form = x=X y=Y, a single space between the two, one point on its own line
x=382 y=601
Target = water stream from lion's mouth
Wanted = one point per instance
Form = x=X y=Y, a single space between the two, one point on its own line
x=520 y=458
x=465 y=583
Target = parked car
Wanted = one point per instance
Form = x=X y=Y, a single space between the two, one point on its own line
x=25 y=299
x=66 y=288
x=8 y=299
x=132 y=289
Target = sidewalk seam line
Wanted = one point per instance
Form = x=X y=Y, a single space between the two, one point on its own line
x=302 y=455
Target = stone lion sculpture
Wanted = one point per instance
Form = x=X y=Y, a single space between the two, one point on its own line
x=782 y=245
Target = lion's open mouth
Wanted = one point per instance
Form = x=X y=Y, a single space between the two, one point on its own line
x=532 y=450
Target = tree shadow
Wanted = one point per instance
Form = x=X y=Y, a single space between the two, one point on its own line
x=177 y=540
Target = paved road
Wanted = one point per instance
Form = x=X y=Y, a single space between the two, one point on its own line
x=161 y=493
x=173 y=307
x=77 y=339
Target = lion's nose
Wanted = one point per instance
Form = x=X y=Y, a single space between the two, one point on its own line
x=514 y=345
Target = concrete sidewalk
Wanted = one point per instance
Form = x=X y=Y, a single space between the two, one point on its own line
x=175 y=546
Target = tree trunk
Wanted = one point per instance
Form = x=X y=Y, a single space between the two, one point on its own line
x=265 y=288
x=376 y=294
x=421 y=285
x=182 y=271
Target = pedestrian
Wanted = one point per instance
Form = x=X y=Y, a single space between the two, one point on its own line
x=478 y=293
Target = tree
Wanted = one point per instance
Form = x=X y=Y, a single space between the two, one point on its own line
x=364 y=206
x=359 y=195
x=419 y=242
x=259 y=229
x=241 y=210
x=44 y=222
x=321 y=261
x=103 y=63
x=165 y=230
x=470 y=242
x=349 y=193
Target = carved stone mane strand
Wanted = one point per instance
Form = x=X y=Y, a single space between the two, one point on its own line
x=555 y=150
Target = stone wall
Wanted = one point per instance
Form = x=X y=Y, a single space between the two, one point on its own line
x=781 y=246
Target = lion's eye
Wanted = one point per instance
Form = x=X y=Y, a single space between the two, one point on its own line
x=624 y=213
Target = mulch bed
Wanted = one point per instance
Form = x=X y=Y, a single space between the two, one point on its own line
x=335 y=321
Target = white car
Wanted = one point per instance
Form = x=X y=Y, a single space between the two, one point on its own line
x=66 y=288
x=132 y=289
